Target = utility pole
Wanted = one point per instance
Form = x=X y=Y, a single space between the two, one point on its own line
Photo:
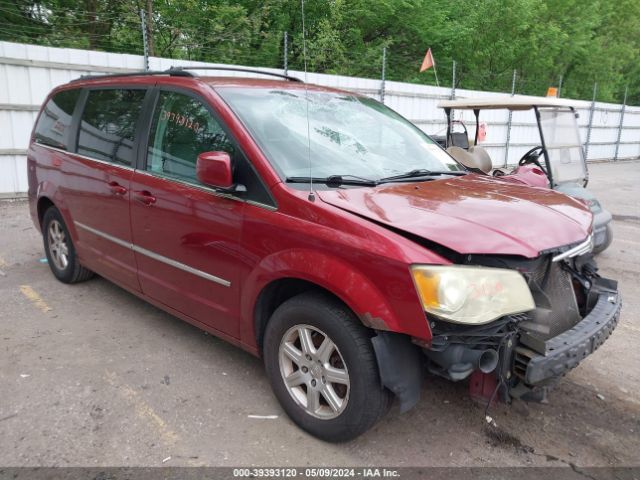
x=591 y=112
x=453 y=81
x=383 y=79
x=506 y=147
x=149 y=21
x=145 y=40
x=286 y=53
x=91 y=12
x=560 y=86
x=621 y=125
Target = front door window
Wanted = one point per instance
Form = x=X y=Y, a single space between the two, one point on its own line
x=182 y=129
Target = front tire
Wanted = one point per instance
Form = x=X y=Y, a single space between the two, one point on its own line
x=322 y=368
x=61 y=254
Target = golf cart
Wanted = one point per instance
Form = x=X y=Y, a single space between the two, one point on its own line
x=557 y=163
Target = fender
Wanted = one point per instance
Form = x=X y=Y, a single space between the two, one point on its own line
x=334 y=274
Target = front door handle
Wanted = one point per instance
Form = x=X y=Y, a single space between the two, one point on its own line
x=117 y=189
x=144 y=197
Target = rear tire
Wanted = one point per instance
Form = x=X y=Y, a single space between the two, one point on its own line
x=61 y=254
x=334 y=390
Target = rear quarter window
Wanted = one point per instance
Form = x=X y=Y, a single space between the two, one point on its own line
x=54 y=124
x=108 y=125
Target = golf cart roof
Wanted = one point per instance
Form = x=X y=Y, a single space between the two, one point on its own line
x=506 y=102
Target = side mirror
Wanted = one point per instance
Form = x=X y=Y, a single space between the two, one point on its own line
x=214 y=169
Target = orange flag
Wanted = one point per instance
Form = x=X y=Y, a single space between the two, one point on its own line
x=428 y=61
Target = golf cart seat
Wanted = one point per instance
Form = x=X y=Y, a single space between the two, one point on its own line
x=476 y=158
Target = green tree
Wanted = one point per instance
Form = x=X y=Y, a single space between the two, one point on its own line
x=583 y=41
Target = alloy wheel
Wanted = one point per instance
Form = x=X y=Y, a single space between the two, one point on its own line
x=314 y=371
x=58 y=247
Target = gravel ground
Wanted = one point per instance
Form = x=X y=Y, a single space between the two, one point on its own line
x=92 y=376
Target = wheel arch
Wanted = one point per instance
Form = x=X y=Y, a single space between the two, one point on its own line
x=49 y=196
x=44 y=203
x=275 y=294
x=286 y=274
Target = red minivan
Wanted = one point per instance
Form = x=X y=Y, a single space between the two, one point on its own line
x=320 y=230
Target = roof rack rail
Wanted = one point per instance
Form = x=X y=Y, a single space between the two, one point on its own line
x=233 y=69
x=184 y=72
x=174 y=73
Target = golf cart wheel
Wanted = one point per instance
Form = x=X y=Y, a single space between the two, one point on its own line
x=608 y=239
x=61 y=254
x=322 y=368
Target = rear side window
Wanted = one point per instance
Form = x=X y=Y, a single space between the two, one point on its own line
x=108 y=125
x=54 y=122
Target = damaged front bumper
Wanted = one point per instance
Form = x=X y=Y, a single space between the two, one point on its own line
x=565 y=351
x=515 y=356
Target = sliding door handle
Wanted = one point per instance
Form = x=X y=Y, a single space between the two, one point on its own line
x=117 y=189
x=144 y=197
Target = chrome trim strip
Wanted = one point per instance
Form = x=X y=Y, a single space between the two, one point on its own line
x=182 y=266
x=84 y=157
x=186 y=183
x=156 y=256
x=122 y=243
x=55 y=149
x=262 y=205
x=579 y=249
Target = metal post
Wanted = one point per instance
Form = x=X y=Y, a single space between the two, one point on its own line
x=453 y=81
x=591 y=112
x=286 y=53
x=624 y=106
x=560 y=86
x=383 y=80
x=506 y=147
x=145 y=40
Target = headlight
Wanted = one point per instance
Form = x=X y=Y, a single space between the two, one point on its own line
x=471 y=295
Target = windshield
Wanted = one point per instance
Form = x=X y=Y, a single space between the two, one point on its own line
x=562 y=141
x=349 y=135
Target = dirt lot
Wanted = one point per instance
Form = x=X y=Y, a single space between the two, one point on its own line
x=91 y=375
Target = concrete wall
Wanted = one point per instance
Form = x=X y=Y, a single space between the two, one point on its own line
x=29 y=72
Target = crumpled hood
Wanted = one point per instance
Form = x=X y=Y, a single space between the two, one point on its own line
x=472 y=214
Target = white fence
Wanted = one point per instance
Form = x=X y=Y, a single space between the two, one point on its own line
x=29 y=72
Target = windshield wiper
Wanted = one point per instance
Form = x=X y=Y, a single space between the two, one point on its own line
x=335 y=180
x=338 y=180
x=420 y=173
